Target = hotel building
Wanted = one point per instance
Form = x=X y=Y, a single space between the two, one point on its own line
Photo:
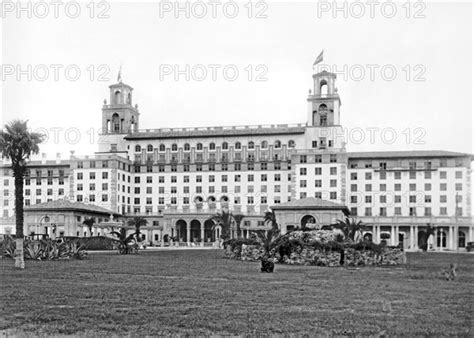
x=179 y=177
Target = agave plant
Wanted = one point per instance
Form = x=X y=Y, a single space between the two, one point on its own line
x=127 y=244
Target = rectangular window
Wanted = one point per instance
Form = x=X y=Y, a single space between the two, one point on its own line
x=318 y=171
x=302 y=171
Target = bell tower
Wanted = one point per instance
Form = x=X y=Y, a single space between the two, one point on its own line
x=324 y=103
x=120 y=116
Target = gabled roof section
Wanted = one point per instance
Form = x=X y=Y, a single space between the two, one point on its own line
x=65 y=205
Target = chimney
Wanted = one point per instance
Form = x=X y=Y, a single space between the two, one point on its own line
x=58 y=158
x=72 y=154
x=43 y=158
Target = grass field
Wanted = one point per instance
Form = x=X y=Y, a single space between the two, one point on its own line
x=199 y=292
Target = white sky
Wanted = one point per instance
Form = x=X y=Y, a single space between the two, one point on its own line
x=286 y=43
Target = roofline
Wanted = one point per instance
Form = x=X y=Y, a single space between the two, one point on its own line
x=315 y=207
x=33 y=208
x=406 y=153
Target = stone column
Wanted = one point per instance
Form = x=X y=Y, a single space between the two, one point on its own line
x=202 y=234
x=376 y=235
x=162 y=238
x=434 y=239
x=415 y=237
x=397 y=235
x=412 y=237
x=392 y=235
x=450 y=242
x=471 y=234
x=188 y=234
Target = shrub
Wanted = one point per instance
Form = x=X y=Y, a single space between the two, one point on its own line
x=45 y=249
x=97 y=243
x=237 y=242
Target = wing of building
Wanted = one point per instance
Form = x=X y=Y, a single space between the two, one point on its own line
x=179 y=177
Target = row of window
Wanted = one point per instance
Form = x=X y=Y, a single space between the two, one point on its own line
x=411 y=187
x=49 y=181
x=421 y=198
x=212 y=146
x=211 y=189
x=412 y=165
x=251 y=200
x=412 y=175
x=427 y=211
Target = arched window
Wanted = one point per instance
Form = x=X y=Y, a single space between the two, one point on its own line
x=291 y=144
x=149 y=148
x=277 y=144
x=138 y=148
x=264 y=144
x=129 y=98
x=118 y=97
x=211 y=199
x=162 y=147
x=187 y=147
x=199 y=146
x=323 y=87
x=251 y=145
x=116 y=122
x=212 y=146
x=174 y=147
x=238 y=145
x=198 y=199
x=225 y=146
x=323 y=108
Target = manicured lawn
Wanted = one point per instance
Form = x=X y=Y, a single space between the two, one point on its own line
x=199 y=292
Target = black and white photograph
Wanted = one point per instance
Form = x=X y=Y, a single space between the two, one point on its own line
x=236 y=168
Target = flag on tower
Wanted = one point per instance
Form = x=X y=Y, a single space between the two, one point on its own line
x=119 y=76
x=319 y=58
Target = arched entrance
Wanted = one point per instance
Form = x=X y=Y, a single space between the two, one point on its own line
x=209 y=234
x=166 y=238
x=461 y=239
x=368 y=237
x=441 y=239
x=308 y=221
x=195 y=231
x=181 y=232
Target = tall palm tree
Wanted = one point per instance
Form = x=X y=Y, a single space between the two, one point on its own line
x=17 y=144
x=89 y=222
x=270 y=217
x=238 y=221
x=224 y=219
x=351 y=228
x=137 y=222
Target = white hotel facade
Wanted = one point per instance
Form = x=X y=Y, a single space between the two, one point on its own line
x=178 y=177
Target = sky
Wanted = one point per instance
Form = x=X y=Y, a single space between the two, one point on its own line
x=404 y=77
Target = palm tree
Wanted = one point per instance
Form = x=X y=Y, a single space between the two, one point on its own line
x=270 y=217
x=17 y=144
x=224 y=219
x=137 y=222
x=350 y=228
x=125 y=247
x=238 y=220
x=89 y=222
